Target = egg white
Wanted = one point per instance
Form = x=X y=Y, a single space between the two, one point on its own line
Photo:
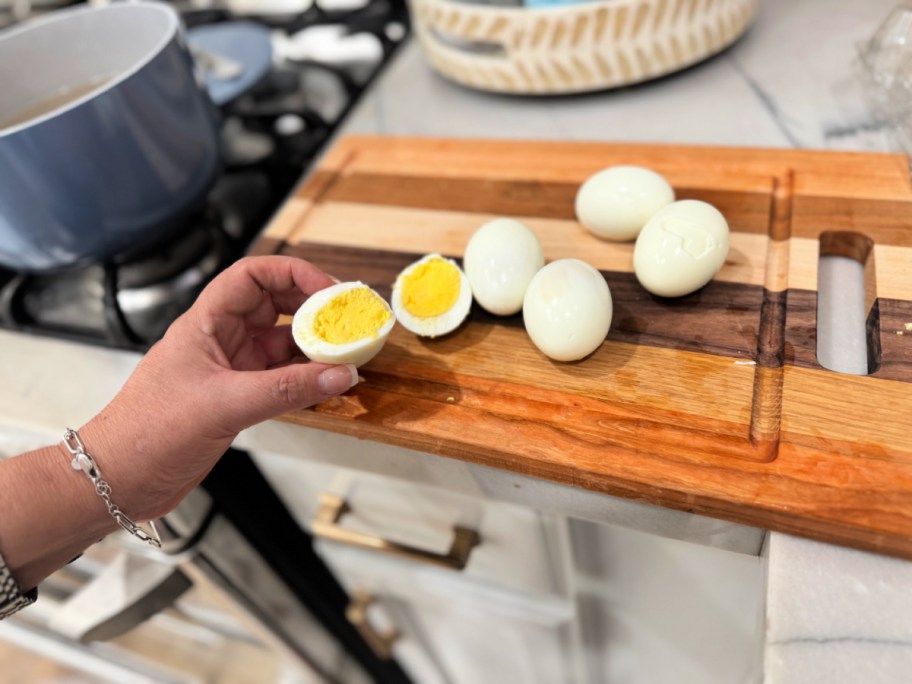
x=681 y=248
x=616 y=202
x=500 y=259
x=317 y=349
x=567 y=309
x=433 y=326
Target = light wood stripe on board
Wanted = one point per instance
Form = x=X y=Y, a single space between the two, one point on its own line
x=448 y=232
x=668 y=379
x=833 y=406
x=891 y=264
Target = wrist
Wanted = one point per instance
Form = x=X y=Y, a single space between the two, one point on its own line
x=123 y=461
x=49 y=516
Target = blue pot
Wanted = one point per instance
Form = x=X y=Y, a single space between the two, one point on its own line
x=107 y=137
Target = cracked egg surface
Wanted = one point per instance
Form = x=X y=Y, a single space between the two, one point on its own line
x=681 y=248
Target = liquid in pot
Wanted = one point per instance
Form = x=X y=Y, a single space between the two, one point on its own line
x=55 y=101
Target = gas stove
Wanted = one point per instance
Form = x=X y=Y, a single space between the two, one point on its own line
x=324 y=58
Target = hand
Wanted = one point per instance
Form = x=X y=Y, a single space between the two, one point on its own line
x=221 y=367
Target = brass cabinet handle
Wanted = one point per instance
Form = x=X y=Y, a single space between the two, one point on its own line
x=332 y=508
x=381 y=643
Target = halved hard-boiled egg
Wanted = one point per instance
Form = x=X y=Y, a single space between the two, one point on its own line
x=432 y=296
x=345 y=323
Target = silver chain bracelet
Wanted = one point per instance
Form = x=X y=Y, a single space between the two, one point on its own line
x=84 y=462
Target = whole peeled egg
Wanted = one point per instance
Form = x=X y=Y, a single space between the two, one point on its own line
x=344 y=323
x=500 y=259
x=617 y=202
x=681 y=248
x=567 y=309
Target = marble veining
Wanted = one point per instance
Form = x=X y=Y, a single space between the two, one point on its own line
x=766 y=101
x=839 y=640
x=836 y=615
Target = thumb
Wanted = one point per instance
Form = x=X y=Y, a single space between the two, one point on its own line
x=251 y=397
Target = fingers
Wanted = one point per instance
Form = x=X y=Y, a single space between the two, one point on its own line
x=277 y=345
x=240 y=288
x=254 y=396
x=287 y=302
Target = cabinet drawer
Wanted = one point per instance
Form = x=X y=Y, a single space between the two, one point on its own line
x=454 y=643
x=513 y=557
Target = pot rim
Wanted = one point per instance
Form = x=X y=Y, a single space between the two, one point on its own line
x=42 y=23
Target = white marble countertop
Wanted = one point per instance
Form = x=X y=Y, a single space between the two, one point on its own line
x=788 y=82
x=833 y=614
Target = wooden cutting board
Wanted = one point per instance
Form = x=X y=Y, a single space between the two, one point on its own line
x=713 y=403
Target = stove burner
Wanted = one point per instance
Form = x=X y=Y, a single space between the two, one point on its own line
x=325 y=58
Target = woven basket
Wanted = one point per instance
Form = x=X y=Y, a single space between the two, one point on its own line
x=576 y=48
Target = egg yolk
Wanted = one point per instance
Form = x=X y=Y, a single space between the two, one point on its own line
x=430 y=289
x=353 y=315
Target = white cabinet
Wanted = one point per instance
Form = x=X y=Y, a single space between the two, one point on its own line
x=502 y=617
x=655 y=610
x=466 y=632
x=543 y=598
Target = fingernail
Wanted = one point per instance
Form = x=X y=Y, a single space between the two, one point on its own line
x=338 y=379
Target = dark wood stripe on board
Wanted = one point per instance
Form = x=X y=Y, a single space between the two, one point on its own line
x=801 y=329
x=746 y=212
x=771 y=338
x=721 y=319
x=889 y=341
x=266 y=246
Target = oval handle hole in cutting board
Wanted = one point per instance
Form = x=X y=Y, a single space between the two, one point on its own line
x=845 y=304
